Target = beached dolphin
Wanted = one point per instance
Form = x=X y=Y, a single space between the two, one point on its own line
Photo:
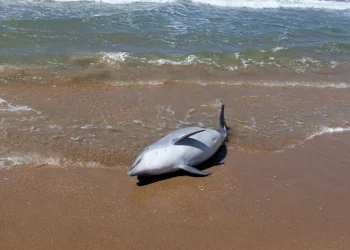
x=181 y=149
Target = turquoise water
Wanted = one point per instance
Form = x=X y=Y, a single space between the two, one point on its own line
x=202 y=37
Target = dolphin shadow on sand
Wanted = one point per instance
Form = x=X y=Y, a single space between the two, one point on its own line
x=215 y=160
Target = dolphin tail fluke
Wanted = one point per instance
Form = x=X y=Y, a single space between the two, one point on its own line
x=222 y=119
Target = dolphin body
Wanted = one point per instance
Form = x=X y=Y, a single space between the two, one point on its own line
x=181 y=149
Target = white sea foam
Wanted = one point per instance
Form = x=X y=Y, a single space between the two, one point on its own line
x=8 y=107
x=112 y=57
x=262 y=4
x=191 y=59
x=137 y=83
x=88 y=126
x=306 y=84
x=139 y=123
x=254 y=4
x=232 y=68
x=55 y=126
x=7 y=162
x=277 y=49
x=333 y=64
x=271 y=84
x=77 y=138
x=30 y=129
x=328 y=130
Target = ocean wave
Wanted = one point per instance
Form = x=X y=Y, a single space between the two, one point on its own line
x=121 y=68
x=226 y=60
x=277 y=49
x=113 y=57
x=191 y=59
x=273 y=4
x=229 y=60
x=254 y=4
x=172 y=72
x=334 y=48
x=294 y=58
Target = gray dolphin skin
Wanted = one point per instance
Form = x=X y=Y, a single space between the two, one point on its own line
x=181 y=149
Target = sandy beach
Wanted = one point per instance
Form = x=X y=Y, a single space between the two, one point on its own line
x=297 y=199
x=66 y=151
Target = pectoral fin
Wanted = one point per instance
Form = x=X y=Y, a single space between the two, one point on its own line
x=193 y=170
x=187 y=135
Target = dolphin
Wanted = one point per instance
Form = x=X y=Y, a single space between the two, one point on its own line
x=181 y=149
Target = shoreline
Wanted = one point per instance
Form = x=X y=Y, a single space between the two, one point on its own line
x=102 y=126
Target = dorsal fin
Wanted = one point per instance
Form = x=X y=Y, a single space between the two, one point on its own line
x=222 y=118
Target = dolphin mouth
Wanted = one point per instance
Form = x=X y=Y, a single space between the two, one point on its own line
x=137 y=161
x=132 y=172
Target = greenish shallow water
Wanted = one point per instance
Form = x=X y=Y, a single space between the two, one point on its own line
x=215 y=38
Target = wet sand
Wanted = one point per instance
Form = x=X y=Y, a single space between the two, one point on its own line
x=298 y=199
x=111 y=124
x=65 y=157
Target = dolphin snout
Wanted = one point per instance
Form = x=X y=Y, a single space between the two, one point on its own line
x=132 y=172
